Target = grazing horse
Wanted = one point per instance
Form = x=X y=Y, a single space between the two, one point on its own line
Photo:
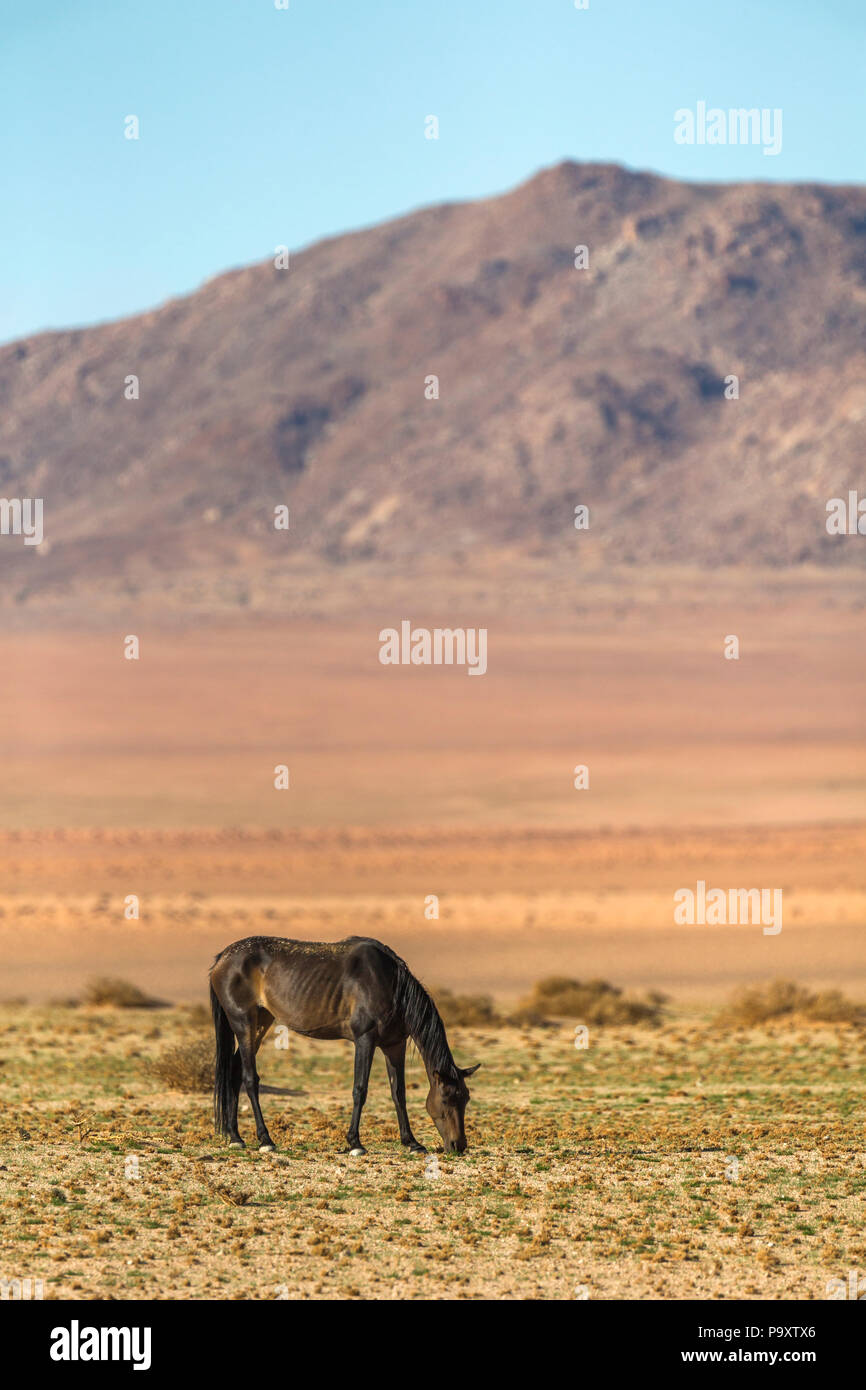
x=356 y=989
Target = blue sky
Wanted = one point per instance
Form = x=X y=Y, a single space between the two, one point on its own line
x=262 y=127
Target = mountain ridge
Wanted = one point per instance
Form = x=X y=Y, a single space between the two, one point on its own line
x=558 y=386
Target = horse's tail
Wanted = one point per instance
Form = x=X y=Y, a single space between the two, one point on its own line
x=222 y=1082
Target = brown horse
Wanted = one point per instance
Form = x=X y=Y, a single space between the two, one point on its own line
x=356 y=989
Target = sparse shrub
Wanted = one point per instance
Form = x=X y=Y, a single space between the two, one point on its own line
x=198 y=1014
x=462 y=1010
x=593 y=1001
x=832 y=1006
x=525 y=1015
x=187 y=1067
x=119 y=994
x=782 y=999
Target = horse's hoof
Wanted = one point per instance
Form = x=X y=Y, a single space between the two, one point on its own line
x=267 y=1148
x=237 y=1144
x=357 y=1153
x=417 y=1149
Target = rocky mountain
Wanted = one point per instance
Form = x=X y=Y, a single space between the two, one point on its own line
x=601 y=384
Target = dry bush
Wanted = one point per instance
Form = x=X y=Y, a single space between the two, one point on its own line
x=187 y=1067
x=593 y=1001
x=461 y=1010
x=198 y=1014
x=784 y=999
x=120 y=994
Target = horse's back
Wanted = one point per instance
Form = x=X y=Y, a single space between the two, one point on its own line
x=275 y=944
x=314 y=987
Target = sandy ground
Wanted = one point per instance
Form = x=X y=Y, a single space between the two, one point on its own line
x=513 y=906
x=406 y=783
x=676 y=1162
x=672 y=733
x=598 y=1174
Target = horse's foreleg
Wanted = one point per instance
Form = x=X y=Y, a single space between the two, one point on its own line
x=395 y=1061
x=364 y=1049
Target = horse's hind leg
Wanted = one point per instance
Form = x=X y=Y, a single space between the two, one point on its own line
x=249 y=1033
x=263 y=1023
x=235 y=1140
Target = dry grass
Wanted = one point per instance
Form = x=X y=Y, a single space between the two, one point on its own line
x=187 y=1067
x=595 y=1002
x=108 y=990
x=466 y=1009
x=608 y=1169
x=784 y=1000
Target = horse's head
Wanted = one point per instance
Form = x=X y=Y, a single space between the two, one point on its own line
x=446 y=1106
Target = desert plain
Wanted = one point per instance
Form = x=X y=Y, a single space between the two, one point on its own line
x=593 y=1172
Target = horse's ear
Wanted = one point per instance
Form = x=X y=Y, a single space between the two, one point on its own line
x=470 y=1071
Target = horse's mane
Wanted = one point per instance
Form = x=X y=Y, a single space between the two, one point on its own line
x=422 y=1019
